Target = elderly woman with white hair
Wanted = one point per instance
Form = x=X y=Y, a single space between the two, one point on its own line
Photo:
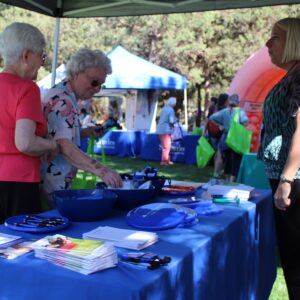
x=164 y=128
x=22 y=125
x=86 y=71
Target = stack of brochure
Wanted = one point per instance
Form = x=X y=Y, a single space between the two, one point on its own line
x=7 y=239
x=83 y=256
x=218 y=187
x=124 y=238
x=12 y=246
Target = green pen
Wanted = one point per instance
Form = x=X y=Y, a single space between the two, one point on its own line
x=224 y=200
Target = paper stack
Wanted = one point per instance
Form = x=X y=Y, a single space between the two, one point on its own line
x=83 y=256
x=228 y=189
x=15 y=250
x=124 y=238
x=8 y=239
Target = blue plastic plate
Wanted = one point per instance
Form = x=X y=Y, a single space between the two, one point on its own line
x=161 y=216
x=204 y=208
x=10 y=223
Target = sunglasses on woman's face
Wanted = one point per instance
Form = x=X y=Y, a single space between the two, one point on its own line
x=94 y=83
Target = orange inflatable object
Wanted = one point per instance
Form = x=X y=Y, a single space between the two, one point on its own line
x=252 y=83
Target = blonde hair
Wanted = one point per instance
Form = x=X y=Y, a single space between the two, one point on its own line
x=291 y=26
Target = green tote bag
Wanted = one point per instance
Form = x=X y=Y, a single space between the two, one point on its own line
x=204 y=152
x=83 y=179
x=238 y=137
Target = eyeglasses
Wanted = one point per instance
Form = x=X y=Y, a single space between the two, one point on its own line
x=93 y=82
x=96 y=83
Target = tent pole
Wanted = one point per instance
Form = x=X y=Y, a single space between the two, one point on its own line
x=185 y=108
x=55 y=50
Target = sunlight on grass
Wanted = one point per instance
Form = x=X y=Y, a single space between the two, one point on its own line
x=279 y=291
x=178 y=171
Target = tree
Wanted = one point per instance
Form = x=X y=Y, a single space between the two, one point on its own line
x=207 y=47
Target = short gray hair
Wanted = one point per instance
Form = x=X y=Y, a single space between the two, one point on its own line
x=291 y=26
x=171 y=101
x=18 y=37
x=86 y=58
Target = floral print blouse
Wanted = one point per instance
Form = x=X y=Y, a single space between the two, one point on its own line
x=61 y=112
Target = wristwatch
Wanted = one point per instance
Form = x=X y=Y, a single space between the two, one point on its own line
x=285 y=179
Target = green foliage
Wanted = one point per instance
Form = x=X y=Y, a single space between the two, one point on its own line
x=207 y=47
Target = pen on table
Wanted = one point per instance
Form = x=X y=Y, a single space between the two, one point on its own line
x=224 y=200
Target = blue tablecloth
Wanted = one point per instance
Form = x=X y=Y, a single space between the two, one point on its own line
x=227 y=256
x=182 y=151
x=118 y=142
x=252 y=172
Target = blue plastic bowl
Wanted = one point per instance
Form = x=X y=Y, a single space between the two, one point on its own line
x=85 y=205
x=129 y=199
x=158 y=183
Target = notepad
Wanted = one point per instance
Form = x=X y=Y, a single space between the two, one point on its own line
x=124 y=238
x=7 y=239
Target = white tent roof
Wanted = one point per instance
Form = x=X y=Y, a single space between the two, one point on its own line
x=129 y=72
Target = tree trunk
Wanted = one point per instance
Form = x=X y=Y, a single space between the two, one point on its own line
x=198 y=116
x=206 y=96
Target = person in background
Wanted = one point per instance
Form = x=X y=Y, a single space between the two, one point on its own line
x=280 y=147
x=166 y=122
x=86 y=71
x=212 y=107
x=22 y=125
x=222 y=101
x=214 y=132
x=85 y=118
x=223 y=118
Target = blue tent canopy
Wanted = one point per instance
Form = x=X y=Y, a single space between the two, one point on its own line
x=133 y=72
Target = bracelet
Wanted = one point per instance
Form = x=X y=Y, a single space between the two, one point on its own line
x=285 y=179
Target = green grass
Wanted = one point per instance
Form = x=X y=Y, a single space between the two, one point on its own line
x=279 y=291
x=184 y=172
x=178 y=171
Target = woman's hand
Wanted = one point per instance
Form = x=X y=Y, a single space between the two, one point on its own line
x=281 y=197
x=92 y=131
x=109 y=177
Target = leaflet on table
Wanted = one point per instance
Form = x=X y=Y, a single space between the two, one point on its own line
x=82 y=265
x=84 y=256
x=228 y=189
x=124 y=238
x=76 y=247
x=15 y=250
x=7 y=239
